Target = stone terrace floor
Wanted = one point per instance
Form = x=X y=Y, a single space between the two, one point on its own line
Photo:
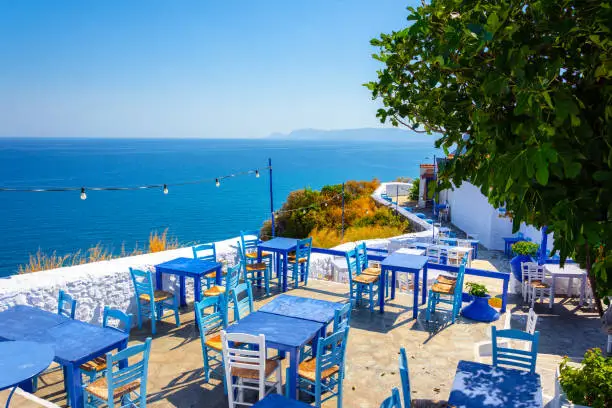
x=175 y=368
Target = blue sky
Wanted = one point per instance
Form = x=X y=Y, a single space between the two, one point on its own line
x=164 y=68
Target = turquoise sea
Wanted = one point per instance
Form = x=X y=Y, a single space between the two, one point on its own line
x=62 y=222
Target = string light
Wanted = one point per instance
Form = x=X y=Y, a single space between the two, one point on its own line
x=83 y=194
x=257 y=173
x=165 y=189
x=217 y=182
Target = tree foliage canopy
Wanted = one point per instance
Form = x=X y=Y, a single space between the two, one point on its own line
x=523 y=91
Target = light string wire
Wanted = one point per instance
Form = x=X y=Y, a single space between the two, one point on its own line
x=163 y=186
x=307 y=207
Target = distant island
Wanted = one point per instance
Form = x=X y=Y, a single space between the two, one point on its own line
x=363 y=134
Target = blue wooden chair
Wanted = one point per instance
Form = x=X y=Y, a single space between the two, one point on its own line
x=405 y=378
x=342 y=317
x=127 y=386
x=325 y=372
x=206 y=252
x=448 y=290
x=503 y=355
x=363 y=265
x=66 y=305
x=359 y=283
x=243 y=300
x=232 y=278
x=299 y=262
x=210 y=325
x=256 y=272
x=249 y=241
x=94 y=368
x=393 y=401
x=151 y=303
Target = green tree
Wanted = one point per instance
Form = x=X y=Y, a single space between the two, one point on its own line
x=523 y=91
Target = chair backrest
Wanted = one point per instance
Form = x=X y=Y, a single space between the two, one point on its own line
x=331 y=351
x=362 y=256
x=232 y=279
x=117 y=377
x=458 y=293
x=513 y=357
x=464 y=243
x=143 y=282
x=342 y=316
x=205 y=252
x=525 y=268
x=251 y=355
x=535 y=272
x=532 y=319
x=433 y=254
x=351 y=263
x=405 y=377
x=243 y=300
x=66 y=305
x=124 y=321
x=302 y=249
x=208 y=322
x=249 y=240
x=393 y=401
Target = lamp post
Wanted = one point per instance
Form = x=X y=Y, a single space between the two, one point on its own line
x=271 y=197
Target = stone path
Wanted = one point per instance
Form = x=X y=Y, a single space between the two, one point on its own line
x=175 y=370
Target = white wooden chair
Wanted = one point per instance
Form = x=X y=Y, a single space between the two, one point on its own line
x=433 y=254
x=454 y=257
x=249 y=366
x=532 y=319
x=525 y=268
x=537 y=287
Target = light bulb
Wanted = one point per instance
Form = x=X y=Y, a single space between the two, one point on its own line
x=165 y=189
x=217 y=183
x=83 y=194
x=257 y=173
x=304 y=212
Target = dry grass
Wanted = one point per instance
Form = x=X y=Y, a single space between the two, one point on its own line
x=327 y=238
x=41 y=261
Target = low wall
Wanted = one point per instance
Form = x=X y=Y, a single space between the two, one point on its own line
x=417 y=223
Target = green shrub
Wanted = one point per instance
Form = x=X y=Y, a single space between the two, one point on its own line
x=590 y=384
x=525 y=248
x=414 y=190
x=476 y=289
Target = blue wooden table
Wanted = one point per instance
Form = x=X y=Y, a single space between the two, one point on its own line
x=278 y=401
x=20 y=361
x=398 y=262
x=281 y=247
x=73 y=342
x=188 y=268
x=317 y=310
x=480 y=385
x=286 y=334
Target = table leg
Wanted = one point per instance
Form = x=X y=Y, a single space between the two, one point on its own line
x=219 y=276
x=415 y=296
x=75 y=389
x=424 y=290
x=183 y=296
x=122 y=346
x=294 y=361
x=505 y=295
x=552 y=290
x=381 y=289
x=8 y=400
x=197 y=288
x=582 y=290
x=285 y=267
x=158 y=280
x=393 y=283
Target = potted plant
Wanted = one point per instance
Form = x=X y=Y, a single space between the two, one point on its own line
x=524 y=251
x=479 y=309
x=585 y=384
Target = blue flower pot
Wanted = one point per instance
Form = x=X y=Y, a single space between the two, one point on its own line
x=480 y=310
x=515 y=264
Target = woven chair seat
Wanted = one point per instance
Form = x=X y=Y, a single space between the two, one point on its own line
x=254 y=374
x=253 y=255
x=214 y=274
x=214 y=291
x=536 y=284
x=425 y=403
x=292 y=259
x=443 y=288
x=97 y=364
x=257 y=267
x=99 y=388
x=447 y=280
x=158 y=296
x=308 y=370
x=214 y=342
x=365 y=279
x=371 y=271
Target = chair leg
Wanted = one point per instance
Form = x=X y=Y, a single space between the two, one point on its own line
x=139 y=316
x=177 y=318
x=279 y=380
x=371 y=288
x=339 y=402
x=206 y=365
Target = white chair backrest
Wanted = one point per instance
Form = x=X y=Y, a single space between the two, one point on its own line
x=535 y=272
x=251 y=358
x=433 y=254
x=525 y=268
x=464 y=243
x=532 y=319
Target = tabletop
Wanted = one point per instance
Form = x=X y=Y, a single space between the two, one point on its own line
x=406 y=261
x=513 y=239
x=22 y=360
x=279 y=401
x=279 y=244
x=189 y=265
x=411 y=251
x=566 y=270
x=299 y=307
x=282 y=330
x=452 y=248
x=479 y=385
x=72 y=340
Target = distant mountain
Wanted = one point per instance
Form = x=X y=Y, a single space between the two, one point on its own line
x=364 y=134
